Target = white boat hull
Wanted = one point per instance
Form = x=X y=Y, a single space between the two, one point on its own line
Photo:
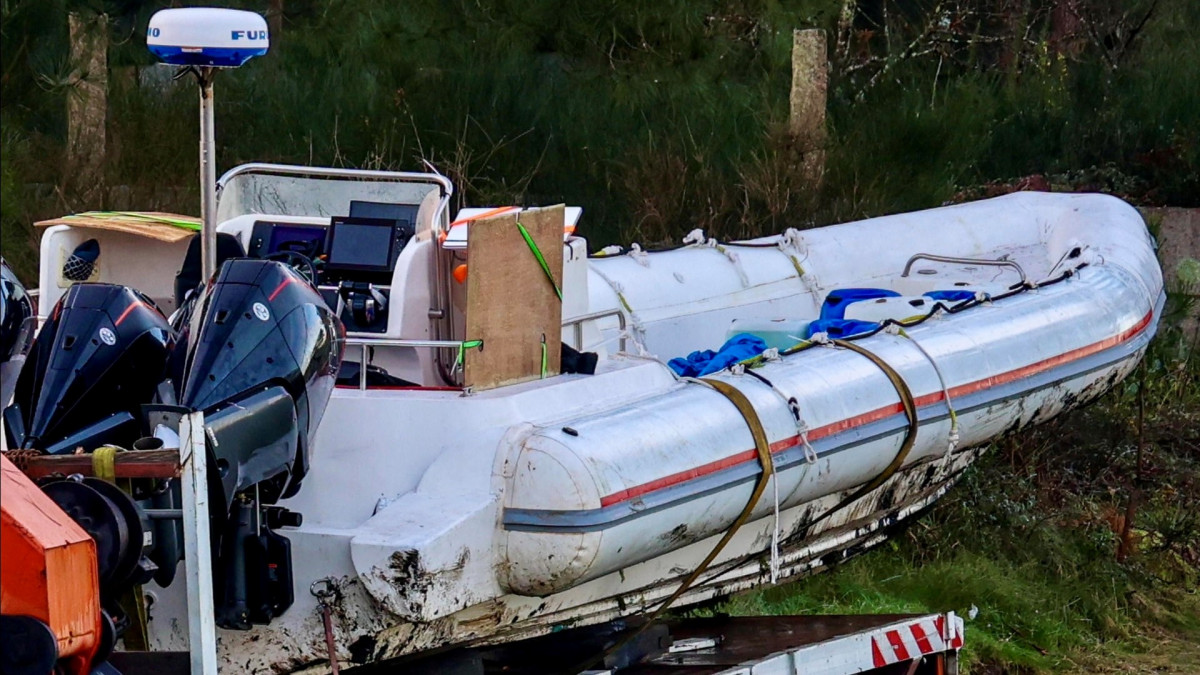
x=445 y=519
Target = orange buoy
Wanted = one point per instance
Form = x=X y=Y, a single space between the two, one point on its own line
x=460 y=273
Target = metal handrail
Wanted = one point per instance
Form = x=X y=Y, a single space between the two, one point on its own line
x=363 y=343
x=334 y=172
x=356 y=174
x=972 y=261
x=577 y=323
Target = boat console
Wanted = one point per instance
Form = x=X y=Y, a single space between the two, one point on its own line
x=349 y=258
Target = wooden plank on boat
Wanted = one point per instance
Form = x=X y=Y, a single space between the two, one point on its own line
x=133 y=464
x=169 y=227
x=511 y=304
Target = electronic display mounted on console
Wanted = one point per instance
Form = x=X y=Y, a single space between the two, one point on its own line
x=365 y=245
x=403 y=214
x=269 y=237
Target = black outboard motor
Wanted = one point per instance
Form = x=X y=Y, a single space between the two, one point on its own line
x=263 y=352
x=100 y=355
x=17 y=322
x=258 y=355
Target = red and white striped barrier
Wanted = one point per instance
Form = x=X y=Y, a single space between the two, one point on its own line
x=928 y=635
x=865 y=650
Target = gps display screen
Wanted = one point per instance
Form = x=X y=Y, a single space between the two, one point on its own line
x=361 y=243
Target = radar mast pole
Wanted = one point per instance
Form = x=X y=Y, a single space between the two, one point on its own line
x=208 y=175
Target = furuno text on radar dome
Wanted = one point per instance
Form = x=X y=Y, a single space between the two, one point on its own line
x=207 y=36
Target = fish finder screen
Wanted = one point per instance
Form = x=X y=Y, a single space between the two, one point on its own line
x=304 y=239
x=361 y=243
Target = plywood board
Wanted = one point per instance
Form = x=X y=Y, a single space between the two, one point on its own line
x=511 y=304
x=168 y=227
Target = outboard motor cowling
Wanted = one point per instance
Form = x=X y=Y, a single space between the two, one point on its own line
x=259 y=336
x=98 y=358
x=263 y=352
x=17 y=323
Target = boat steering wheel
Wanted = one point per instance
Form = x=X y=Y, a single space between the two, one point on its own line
x=297 y=261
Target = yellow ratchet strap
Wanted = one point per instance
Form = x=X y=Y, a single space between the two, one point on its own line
x=910 y=436
x=763 y=448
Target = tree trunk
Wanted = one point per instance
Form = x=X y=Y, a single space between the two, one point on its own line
x=87 y=105
x=810 y=81
x=275 y=20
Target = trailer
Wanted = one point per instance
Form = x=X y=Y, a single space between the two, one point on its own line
x=814 y=645
x=905 y=644
x=883 y=644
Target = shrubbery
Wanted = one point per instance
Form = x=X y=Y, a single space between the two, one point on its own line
x=656 y=117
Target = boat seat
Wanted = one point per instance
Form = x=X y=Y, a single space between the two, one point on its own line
x=839 y=299
x=921 y=286
x=348 y=374
x=191 y=273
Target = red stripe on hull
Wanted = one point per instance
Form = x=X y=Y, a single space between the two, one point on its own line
x=879 y=414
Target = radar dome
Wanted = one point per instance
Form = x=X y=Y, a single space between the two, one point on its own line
x=206 y=36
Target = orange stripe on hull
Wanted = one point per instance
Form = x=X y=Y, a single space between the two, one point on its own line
x=880 y=413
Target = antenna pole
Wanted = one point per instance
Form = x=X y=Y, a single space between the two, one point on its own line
x=208 y=176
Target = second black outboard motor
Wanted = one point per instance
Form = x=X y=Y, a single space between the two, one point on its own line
x=100 y=355
x=17 y=323
x=263 y=352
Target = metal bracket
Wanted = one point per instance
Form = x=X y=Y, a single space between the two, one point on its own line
x=197 y=546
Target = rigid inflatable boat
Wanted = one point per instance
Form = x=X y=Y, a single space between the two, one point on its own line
x=464 y=486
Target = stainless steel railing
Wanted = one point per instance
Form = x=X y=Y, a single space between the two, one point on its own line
x=364 y=343
x=578 y=321
x=969 y=261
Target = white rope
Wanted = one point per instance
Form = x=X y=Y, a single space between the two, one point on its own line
x=793 y=406
x=793 y=239
x=791 y=244
x=641 y=257
x=733 y=258
x=810 y=453
x=636 y=331
x=954 y=437
x=696 y=236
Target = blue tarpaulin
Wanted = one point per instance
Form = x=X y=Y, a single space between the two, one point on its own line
x=840 y=328
x=737 y=348
x=957 y=295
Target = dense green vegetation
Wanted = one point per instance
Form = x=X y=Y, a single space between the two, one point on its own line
x=663 y=116
x=658 y=117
